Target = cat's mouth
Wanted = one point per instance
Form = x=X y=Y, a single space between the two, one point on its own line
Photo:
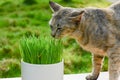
x=56 y=36
x=60 y=35
x=57 y=33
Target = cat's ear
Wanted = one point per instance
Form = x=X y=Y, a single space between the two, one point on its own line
x=54 y=6
x=76 y=16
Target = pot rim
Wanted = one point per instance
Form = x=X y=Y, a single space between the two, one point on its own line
x=41 y=64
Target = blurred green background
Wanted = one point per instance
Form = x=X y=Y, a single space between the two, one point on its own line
x=27 y=17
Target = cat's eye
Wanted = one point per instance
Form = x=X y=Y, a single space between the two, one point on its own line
x=59 y=29
x=58 y=25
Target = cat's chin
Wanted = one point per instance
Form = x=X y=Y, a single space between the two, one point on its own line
x=58 y=37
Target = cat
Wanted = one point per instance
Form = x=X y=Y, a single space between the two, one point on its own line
x=95 y=29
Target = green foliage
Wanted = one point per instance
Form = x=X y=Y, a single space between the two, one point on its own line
x=42 y=50
x=9 y=66
x=66 y=0
x=29 y=2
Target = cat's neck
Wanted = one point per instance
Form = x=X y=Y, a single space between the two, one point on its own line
x=77 y=35
x=81 y=33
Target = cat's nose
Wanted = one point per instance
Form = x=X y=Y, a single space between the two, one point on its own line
x=53 y=35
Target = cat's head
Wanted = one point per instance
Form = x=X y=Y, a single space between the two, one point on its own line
x=64 y=20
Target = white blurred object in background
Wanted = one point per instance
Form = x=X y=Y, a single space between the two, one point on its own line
x=113 y=0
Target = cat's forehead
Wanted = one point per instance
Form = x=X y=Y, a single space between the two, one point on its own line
x=63 y=12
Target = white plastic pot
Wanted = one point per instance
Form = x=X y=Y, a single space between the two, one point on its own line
x=42 y=71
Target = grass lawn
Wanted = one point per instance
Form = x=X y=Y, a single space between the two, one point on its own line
x=18 y=19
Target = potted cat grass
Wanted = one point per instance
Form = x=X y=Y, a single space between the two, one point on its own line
x=41 y=59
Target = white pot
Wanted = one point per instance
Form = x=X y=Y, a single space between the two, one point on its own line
x=42 y=71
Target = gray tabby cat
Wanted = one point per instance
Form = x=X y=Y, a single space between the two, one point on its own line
x=96 y=30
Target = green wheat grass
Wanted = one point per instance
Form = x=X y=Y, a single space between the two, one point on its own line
x=42 y=50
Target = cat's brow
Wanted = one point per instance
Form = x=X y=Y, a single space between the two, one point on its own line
x=57 y=16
